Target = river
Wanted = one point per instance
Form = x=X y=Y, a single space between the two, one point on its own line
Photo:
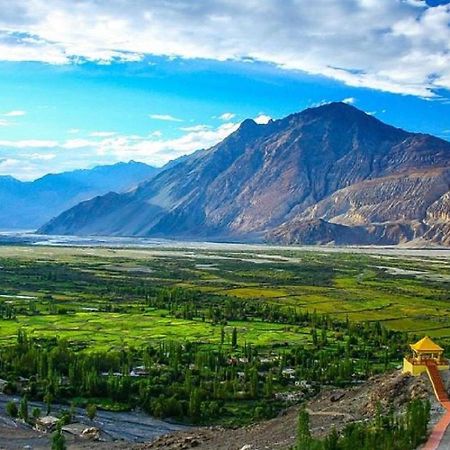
x=130 y=426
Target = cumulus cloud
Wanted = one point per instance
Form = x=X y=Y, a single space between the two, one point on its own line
x=349 y=100
x=227 y=116
x=262 y=119
x=31 y=158
x=103 y=133
x=43 y=156
x=165 y=117
x=29 y=143
x=391 y=45
x=15 y=113
x=194 y=128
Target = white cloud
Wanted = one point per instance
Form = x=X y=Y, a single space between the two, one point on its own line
x=20 y=158
x=103 y=133
x=4 y=123
x=15 y=113
x=196 y=128
x=227 y=116
x=349 y=100
x=29 y=143
x=165 y=117
x=391 y=45
x=157 y=151
x=262 y=119
x=43 y=156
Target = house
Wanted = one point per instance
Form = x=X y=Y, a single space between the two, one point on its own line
x=289 y=373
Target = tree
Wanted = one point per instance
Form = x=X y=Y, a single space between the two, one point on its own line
x=58 y=439
x=304 y=439
x=48 y=398
x=23 y=409
x=36 y=413
x=11 y=409
x=268 y=386
x=194 y=404
x=91 y=411
x=331 y=442
x=234 y=338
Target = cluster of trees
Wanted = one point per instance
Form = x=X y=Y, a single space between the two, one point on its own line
x=195 y=382
x=7 y=311
x=384 y=432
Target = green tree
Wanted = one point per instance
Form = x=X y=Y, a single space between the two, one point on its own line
x=91 y=411
x=58 y=439
x=194 y=404
x=36 y=413
x=11 y=409
x=304 y=438
x=234 y=338
x=23 y=408
x=48 y=399
x=331 y=442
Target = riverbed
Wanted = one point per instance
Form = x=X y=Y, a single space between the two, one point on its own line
x=129 y=426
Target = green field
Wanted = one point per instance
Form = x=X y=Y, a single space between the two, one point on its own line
x=357 y=286
x=224 y=336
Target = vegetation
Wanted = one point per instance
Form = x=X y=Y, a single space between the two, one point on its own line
x=58 y=439
x=12 y=410
x=385 y=432
x=210 y=337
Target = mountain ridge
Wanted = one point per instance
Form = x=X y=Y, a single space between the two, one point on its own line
x=264 y=180
x=40 y=200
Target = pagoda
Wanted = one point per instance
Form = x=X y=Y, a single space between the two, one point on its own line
x=425 y=353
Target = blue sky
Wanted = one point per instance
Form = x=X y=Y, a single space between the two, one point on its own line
x=98 y=83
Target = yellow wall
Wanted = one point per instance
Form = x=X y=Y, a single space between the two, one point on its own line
x=415 y=369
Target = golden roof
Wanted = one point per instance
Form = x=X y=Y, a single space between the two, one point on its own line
x=426 y=345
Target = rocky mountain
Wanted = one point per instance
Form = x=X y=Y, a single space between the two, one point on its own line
x=28 y=205
x=326 y=174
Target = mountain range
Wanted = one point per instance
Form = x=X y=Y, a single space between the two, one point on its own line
x=330 y=174
x=30 y=204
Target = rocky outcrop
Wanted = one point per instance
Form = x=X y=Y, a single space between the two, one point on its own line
x=331 y=174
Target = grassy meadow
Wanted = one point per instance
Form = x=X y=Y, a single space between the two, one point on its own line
x=61 y=292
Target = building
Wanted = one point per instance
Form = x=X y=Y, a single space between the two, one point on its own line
x=425 y=353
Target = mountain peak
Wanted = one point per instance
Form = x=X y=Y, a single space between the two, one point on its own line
x=336 y=108
x=248 y=124
x=332 y=162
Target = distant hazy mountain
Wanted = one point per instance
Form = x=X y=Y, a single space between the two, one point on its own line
x=28 y=205
x=327 y=174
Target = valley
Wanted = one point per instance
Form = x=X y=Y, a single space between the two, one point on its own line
x=210 y=335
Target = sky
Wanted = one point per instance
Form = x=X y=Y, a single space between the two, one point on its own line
x=89 y=82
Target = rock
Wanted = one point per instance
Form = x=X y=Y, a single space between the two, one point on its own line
x=337 y=396
x=91 y=433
